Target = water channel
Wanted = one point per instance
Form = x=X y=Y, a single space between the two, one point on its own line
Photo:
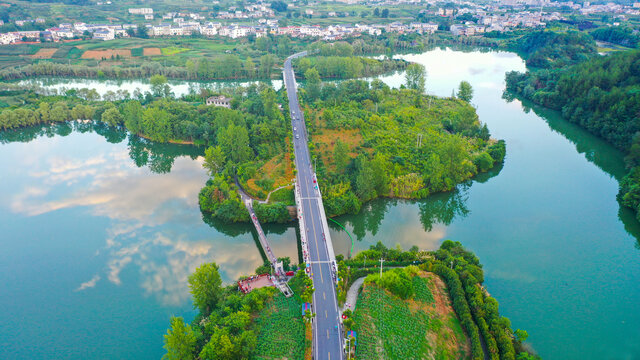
x=100 y=231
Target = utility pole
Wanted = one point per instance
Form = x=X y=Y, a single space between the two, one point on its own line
x=381 y=261
x=418 y=140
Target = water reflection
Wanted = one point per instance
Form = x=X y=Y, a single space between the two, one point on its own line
x=444 y=208
x=117 y=88
x=159 y=157
x=435 y=213
x=595 y=150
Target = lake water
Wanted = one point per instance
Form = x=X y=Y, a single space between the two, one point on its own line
x=178 y=87
x=98 y=244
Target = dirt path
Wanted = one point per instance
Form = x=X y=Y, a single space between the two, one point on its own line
x=352 y=295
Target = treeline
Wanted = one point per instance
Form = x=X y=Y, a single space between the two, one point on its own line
x=348 y=67
x=389 y=43
x=225 y=67
x=462 y=273
x=619 y=35
x=548 y=49
x=601 y=95
x=392 y=159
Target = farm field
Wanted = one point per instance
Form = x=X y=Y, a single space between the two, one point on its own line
x=425 y=326
x=280 y=330
x=126 y=52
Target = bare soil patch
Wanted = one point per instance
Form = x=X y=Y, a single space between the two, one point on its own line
x=44 y=53
x=106 y=54
x=154 y=51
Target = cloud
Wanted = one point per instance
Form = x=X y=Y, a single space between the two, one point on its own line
x=89 y=284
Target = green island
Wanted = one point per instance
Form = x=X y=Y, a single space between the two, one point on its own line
x=358 y=135
x=427 y=304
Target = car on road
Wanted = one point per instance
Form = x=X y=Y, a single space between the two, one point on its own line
x=297 y=136
x=295 y=128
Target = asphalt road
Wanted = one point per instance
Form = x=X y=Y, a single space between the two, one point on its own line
x=327 y=337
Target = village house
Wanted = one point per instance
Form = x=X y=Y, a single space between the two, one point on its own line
x=141 y=11
x=221 y=101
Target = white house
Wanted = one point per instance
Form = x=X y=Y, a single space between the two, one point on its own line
x=104 y=34
x=221 y=101
x=141 y=11
x=8 y=38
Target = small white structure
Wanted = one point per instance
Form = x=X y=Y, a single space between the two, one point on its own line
x=221 y=101
x=104 y=34
x=141 y=11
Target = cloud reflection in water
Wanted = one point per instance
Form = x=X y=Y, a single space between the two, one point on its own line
x=156 y=226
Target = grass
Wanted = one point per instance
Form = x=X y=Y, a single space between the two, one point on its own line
x=173 y=50
x=139 y=51
x=75 y=53
x=284 y=195
x=280 y=330
x=62 y=52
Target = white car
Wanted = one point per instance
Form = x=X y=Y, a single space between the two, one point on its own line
x=297 y=136
x=295 y=128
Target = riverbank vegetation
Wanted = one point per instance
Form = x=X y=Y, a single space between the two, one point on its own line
x=600 y=94
x=262 y=324
x=458 y=320
x=371 y=141
x=436 y=307
x=175 y=58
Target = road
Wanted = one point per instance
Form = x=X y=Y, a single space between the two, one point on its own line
x=327 y=338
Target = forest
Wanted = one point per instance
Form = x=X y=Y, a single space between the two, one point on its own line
x=549 y=49
x=619 y=35
x=602 y=95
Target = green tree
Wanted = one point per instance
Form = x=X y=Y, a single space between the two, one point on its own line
x=415 y=77
x=156 y=124
x=214 y=160
x=112 y=117
x=312 y=84
x=340 y=155
x=234 y=141
x=465 y=91
x=133 y=116
x=205 y=285
x=60 y=112
x=179 y=341
x=158 y=83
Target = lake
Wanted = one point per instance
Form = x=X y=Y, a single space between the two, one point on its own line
x=178 y=87
x=101 y=230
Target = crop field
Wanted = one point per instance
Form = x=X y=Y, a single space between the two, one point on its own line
x=151 y=51
x=423 y=327
x=421 y=287
x=44 y=53
x=169 y=51
x=105 y=54
x=280 y=330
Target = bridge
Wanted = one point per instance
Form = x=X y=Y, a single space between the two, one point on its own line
x=279 y=279
x=318 y=250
